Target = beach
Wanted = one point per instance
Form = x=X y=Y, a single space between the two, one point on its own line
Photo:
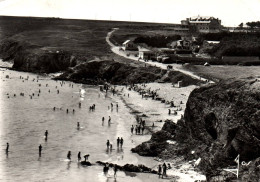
x=37 y=115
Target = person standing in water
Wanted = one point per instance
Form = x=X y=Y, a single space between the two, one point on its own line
x=109 y=121
x=108 y=144
x=79 y=157
x=40 y=150
x=118 y=141
x=46 y=135
x=69 y=155
x=103 y=119
x=7 y=147
x=121 y=142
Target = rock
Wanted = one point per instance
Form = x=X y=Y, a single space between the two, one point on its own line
x=155 y=145
x=85 y=163
x=170 y=127
x=130 y=167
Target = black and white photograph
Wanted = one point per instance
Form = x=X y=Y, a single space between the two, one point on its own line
x=129 y=90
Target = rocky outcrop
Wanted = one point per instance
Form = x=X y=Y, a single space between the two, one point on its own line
x=158 y=142
x=129 y=167
x=32 y=58
x=225 y=119
x=99 y=72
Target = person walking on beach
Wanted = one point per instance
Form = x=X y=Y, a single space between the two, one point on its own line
x=142 y=130
x=169 y=111
x=164 y=170
x=7 y=147
x=79 y=104
x=121 y=142
x=132 y=129
x=69 y=155
x=40 y=150
x=79 y=156
x=159 y=170
x=46 y=135
x=115 y=170
x=136 y=129
x=78 y=125
x=108 y=144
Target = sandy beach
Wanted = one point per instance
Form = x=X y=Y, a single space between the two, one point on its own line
x=154 y=111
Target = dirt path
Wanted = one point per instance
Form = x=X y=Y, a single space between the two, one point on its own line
x=177 y=67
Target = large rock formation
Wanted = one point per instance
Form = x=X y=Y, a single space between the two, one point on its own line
x=220 y=122
x=98 y=72
x=226 y=118
x=31 y=58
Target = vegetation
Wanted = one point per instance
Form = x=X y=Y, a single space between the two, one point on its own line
x=233 y=44
x=253 y=24
x=157 y=41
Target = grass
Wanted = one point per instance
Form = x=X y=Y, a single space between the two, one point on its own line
x=217 y=73
x=81 y=37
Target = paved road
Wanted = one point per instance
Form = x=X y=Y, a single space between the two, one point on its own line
x=177 y=67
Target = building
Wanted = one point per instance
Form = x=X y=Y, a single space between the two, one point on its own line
x=203 y=24
x=146 y=54
x=181 y=44
x=129 y=45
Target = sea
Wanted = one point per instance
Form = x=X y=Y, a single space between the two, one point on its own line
x=25 y=118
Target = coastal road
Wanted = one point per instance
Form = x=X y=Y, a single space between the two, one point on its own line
x=117 y=50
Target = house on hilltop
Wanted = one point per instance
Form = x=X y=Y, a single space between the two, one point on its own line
x=204 y=24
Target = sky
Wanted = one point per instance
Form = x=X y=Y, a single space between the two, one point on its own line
x=231 y=12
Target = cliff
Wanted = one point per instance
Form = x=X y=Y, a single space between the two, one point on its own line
x=31 y=58
x=220 y=122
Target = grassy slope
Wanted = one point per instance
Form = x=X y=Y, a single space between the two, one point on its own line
x=82 y=37
x=224 y=72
